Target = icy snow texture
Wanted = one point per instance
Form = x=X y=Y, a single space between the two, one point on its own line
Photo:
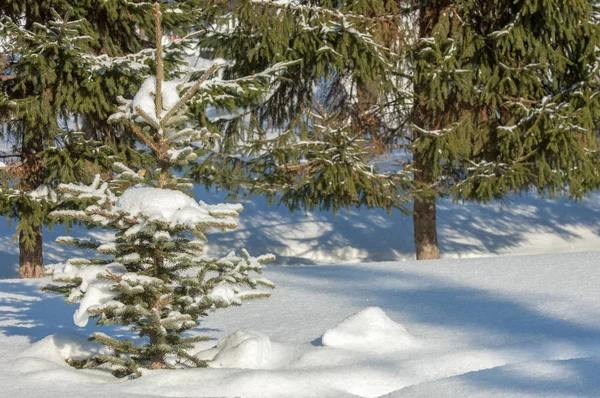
x=369 y=330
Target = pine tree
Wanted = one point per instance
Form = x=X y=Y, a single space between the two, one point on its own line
x=486 y=98
x=153 y=278
x=52 y=93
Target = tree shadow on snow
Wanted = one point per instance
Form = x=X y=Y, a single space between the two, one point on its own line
x=9 y=253
x=495 y=227
x=487 y=320
x=27 y=311
x=364 y=235
x=374 y=235
x=53 y=252
x=575 y=377
x=426 y=299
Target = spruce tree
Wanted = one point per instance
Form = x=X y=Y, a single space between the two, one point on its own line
x=504 y=102
x=485 y=98
x=52 y=93
x=44 y=73
x=153 y=278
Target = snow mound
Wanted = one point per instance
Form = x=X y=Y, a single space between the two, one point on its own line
x=369 y=330
x=166 y=205
x=244 y=349
x=55 y=350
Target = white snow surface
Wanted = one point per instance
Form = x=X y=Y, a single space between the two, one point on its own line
x=243 y=349
x=499 y=325
x=370 y=330
x=494 y=327
x=166 y=205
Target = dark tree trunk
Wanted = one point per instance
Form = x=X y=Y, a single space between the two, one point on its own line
x=31 y=257
x=424 y=217
x=157 y=357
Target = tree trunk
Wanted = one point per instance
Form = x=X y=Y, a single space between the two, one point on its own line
x=424 y=217
x=157 y=356
x=30 y=247
x=31 y=258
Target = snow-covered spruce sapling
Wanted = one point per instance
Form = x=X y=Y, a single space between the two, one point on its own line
x=153 y=278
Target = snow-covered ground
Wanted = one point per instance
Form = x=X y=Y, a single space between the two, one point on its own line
x=340 y=325
x=487 y=327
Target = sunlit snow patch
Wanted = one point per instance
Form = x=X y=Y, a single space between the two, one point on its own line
x=369 y=330
x=145 y=97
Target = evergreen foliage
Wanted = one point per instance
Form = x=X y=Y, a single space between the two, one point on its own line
x=507 y=101
x=153 y=278
x=55 y=97
x=478 y=98
x=286 y=149
x=41 y=83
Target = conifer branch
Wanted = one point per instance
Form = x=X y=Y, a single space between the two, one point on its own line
x=147 y=140
x=189 y=93
x=146 y=117
x=335 y=14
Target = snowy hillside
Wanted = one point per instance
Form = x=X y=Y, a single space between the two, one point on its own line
x=490 y=327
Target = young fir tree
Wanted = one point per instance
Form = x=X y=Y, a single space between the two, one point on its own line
x=53 y=95
x=153 y=278
x=488 y=97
